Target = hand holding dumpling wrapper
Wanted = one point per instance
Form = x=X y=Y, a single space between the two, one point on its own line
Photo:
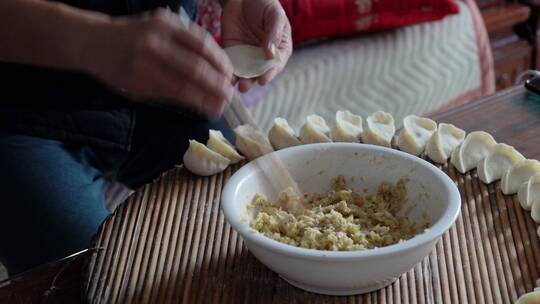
x=250 y=61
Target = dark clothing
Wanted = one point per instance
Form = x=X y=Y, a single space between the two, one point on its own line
x=62 y=135
x=76 y=108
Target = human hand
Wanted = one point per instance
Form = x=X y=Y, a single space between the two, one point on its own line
x=156 y=55
x=262 y=23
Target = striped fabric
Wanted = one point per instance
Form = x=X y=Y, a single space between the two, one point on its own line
x=417 y=70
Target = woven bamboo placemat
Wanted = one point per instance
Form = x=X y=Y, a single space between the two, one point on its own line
x=170 y=243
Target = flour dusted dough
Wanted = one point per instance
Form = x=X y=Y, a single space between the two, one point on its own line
x=415 y=134
x=379 y=129
x=203 y=161
x=529 y=192
x=281 y=135
x=443 y=142
x=348 y=127
x=315 y=130
x=250 y=61
x=472 y=150
x=535 y=202
x=518 y=174
x=251 y=142
x=219 y=144
x=499 y=160
x=529 y=298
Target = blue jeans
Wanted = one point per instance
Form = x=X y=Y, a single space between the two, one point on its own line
x=52 y=200
x=51 y=193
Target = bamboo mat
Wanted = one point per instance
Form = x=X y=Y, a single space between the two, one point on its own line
x=169 y=243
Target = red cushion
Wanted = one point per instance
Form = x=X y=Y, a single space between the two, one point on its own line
x=318 y=19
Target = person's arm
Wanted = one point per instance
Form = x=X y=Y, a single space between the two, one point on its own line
x=46 y=33
x=152 y=55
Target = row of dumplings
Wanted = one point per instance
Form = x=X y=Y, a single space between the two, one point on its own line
x=493 y=161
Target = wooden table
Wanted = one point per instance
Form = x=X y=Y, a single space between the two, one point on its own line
x=169 y=242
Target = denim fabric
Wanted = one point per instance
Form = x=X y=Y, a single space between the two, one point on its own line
x=51 y=193
x=51 y=200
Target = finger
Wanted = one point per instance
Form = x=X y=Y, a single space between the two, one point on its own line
x=274 y=23
x=245 y=85
x=184 y=64
x=268 y=76
x=200 y=42
x=162 y=84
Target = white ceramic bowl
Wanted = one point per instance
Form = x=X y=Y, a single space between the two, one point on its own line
x=313 y=167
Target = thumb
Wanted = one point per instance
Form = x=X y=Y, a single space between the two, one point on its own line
x=274 y=24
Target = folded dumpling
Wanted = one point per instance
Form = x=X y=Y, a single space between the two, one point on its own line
x=281 y=135
x=499 y=160
x=532 y=297
x=202 y=161
x=251 y=142
x=472 y=150
x=379 y=129
x=315 y=130
x=348 y=127
x=518 y=174
x=218 y=143
x=415 y=134
x=441 y=144
x=529 y=192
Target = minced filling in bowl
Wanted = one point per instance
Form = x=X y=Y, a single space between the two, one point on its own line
x=338 y=220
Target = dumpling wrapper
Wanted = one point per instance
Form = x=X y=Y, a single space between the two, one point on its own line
x=218 y=143
x=348 y=127
x=499 y=160
x=533 y=196
x=529 y=192
x=281 y=135
x=518 y=174
x=415 y=134
x=202 y=161
x=441 y=144
x=472 y=150
x=315 y=130
x=250 y=61
x=251 y=142
x=379 y=130
x=529 y=298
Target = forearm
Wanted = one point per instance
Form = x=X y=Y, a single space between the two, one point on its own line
x=46 y=33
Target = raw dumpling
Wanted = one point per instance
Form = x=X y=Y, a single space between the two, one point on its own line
x=518 y=174
x=499 y=160
x=472 y=150
x=218 y=143
x=250 y=61
x=203 y=161
x=282 y=136
x=443 y=142
x=529 y=298
x=534 y=197
x=379 y=129
x=315 y=130
x=415 y=134
x=348 y=127
x=529 y=192
x=251 y=142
